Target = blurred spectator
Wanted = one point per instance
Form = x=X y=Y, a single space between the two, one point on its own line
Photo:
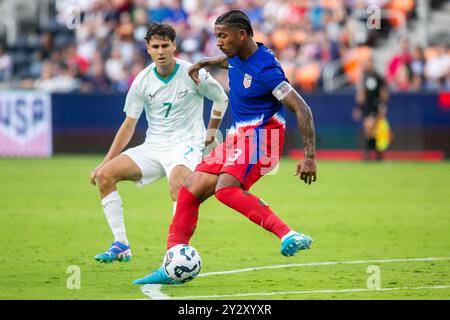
x=137 y=67
x=86 y=46
x=447 y=83
x=401 y=80
x=68 y=78
x=72 y=58
x=45 y=51
x=402 y=58
x=115 y=67
x=46 y=45
x=36 y=64
x=418 y=69
x=254 y=10
x=6 y=66
x=437 y=68
x=97 y=81
x=160 y=12
x=140 y=19
x=309 y=37
x=104 y=47
x=177 y=13
x=56 y=78
x=122 y=5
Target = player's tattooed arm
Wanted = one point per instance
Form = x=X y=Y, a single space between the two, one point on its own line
x=217 y=61
x=295 y=103
x=307 y=167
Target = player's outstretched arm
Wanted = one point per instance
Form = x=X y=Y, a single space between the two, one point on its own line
x=306 y=168
x=122 y=138
x=217 y=61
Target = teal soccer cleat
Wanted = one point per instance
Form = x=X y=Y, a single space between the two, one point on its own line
x=118 y=252
x=294 y=243
x=156 y=277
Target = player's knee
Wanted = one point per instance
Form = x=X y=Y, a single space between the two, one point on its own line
x=174 y=188
x=201 y=185
x=105 y=178
x=190 y=180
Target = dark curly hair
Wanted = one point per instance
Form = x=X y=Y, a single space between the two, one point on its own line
x=161 y=30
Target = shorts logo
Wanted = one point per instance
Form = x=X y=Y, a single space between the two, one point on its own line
x=247 y=81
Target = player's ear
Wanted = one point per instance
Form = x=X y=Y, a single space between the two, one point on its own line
x=242 y=34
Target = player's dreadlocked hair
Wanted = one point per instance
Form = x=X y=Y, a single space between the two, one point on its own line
x=236 y=18
x=160 y=30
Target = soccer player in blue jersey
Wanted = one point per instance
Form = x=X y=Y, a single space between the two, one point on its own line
x=258 y=91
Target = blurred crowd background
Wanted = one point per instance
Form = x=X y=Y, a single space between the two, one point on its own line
x=98 y=45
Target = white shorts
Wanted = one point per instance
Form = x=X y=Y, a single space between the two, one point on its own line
x=156 y=163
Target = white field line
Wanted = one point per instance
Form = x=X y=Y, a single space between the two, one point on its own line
x=300 y=292
x=314 y=264
x=154 y=290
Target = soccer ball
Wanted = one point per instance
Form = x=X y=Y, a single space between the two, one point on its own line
x=182 y=263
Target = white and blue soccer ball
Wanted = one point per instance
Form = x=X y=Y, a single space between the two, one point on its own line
x=182 y=263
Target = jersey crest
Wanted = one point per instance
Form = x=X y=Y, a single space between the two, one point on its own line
x=247 y=81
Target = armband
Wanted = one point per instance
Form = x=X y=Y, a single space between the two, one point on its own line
x=282 y=90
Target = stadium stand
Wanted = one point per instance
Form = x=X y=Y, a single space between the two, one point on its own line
x=97 y=45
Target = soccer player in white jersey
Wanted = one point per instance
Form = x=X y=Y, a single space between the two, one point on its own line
x=175 y=138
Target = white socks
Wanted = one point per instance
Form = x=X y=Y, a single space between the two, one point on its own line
x=174 y=208
x=290 y=233
x=112 y=207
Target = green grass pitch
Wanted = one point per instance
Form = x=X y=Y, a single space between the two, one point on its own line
x=51 y=219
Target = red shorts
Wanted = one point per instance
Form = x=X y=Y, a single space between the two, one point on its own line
x=247 y=154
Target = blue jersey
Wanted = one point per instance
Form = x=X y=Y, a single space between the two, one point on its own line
x=252 y=82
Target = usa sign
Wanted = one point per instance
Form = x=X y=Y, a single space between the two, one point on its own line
x=25 y=124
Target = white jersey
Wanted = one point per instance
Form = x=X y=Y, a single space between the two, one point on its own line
x=173 y=106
